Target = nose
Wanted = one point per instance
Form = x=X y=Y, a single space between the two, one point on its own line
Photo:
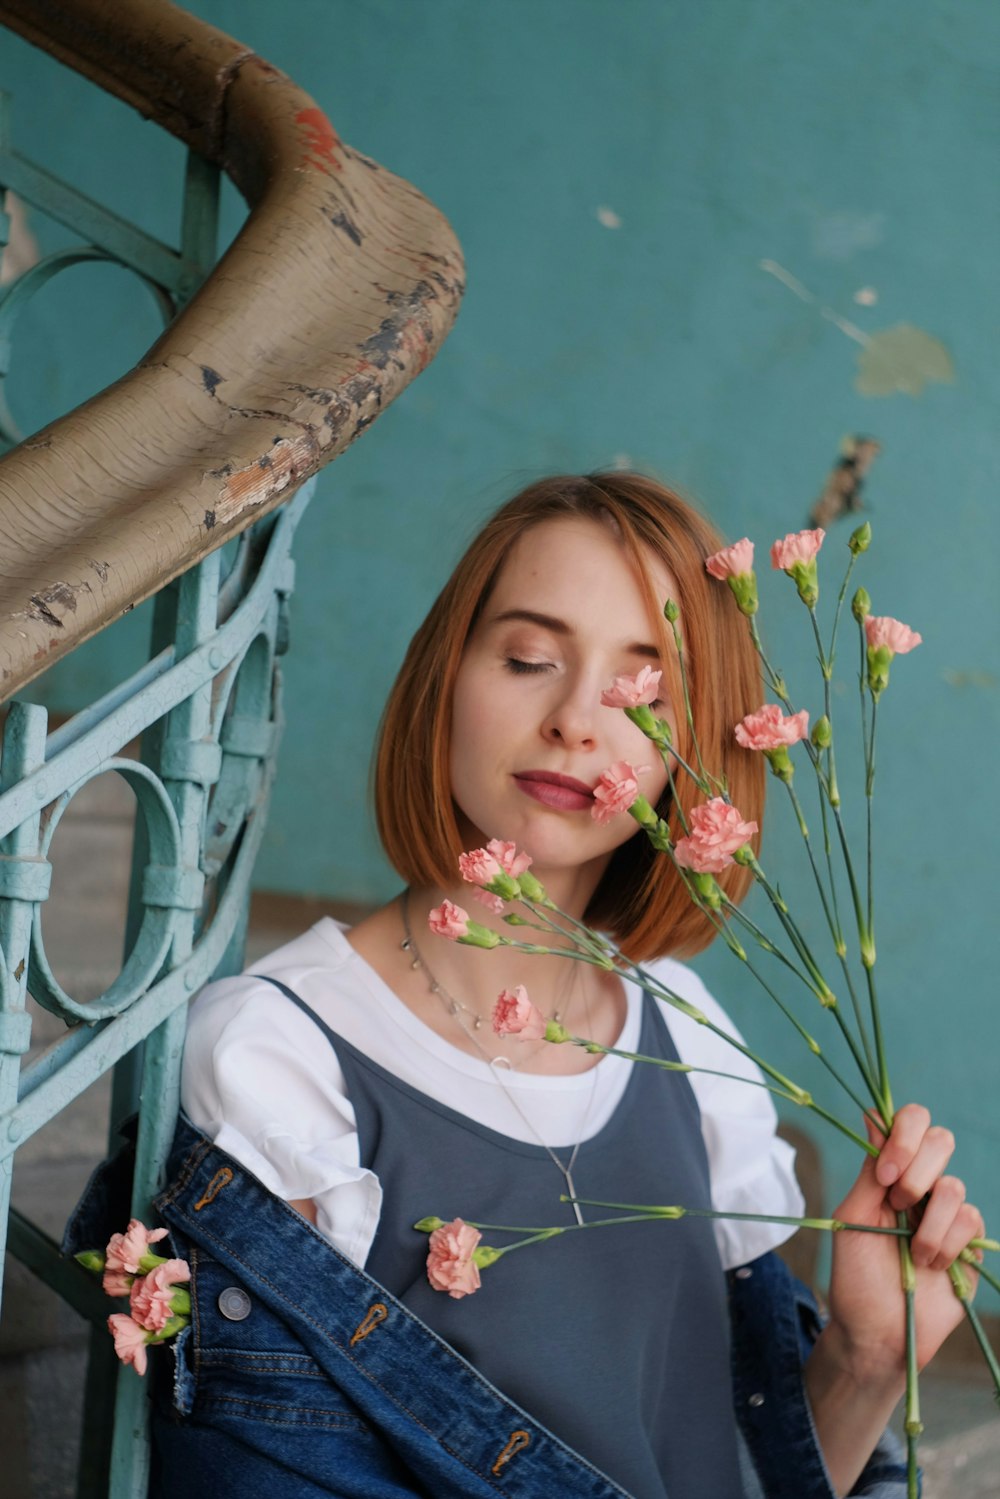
x=572 y=719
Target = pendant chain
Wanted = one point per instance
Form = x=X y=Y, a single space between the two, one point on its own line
x=455 y=1007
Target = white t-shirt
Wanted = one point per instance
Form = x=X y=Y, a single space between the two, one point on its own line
x=261 y=1080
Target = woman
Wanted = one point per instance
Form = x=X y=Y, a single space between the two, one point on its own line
x=354 y=1076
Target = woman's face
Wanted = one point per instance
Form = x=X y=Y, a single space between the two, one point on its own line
x=529 y=735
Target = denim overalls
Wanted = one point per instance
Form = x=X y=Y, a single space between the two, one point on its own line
x=301 y=1375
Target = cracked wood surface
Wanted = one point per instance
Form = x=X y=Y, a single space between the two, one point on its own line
x=341 y=286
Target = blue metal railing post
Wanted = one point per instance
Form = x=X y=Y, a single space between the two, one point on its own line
x=190 y=760
x=24 y=880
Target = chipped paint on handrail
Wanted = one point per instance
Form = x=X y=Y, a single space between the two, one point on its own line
x=339 y=289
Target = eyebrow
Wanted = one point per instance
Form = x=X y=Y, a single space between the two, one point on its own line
x=560 y=627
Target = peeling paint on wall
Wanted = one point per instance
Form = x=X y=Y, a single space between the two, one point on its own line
x=838 y=236
x=902 y=359
x=956 y=678
x=845 y=481
x=905 y=359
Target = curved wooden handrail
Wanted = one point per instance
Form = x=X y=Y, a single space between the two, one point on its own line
x=341 y=286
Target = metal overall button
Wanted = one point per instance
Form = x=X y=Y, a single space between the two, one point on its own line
x=234 y=1304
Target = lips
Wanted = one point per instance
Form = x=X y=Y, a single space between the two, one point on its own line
x=564 y=793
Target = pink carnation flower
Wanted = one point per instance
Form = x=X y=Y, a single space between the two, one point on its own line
x=491 y=902
x=448 y=920
x=515 y=1015
x=130 y=1339
x=731 y=562
x=630 y=692
x=479 y=867
x=450 y=1266
x=798 y=547
x=616 y=790
x=717 y=831
x=152 y=1294
x=125 y=1250
x=116 y=1283
x=769 y=729
x=150 y=1303
x=883 y=630
x=507 y=856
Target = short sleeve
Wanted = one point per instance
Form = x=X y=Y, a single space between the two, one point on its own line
x=262 y=1082
x=752 y=1170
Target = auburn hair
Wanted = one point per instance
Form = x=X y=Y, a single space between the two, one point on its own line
x=640 y=900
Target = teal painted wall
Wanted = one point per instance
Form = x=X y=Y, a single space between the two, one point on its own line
x=617 y=173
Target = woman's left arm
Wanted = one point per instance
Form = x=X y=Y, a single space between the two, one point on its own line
x=856 y=1373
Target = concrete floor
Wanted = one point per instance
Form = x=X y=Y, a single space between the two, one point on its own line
x=43 y=1344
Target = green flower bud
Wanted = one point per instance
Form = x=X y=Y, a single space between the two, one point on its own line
x=644 y=719
x=170 y=1330
x=861 y=605
x=480 y=936
x=744 y=591
x=879 y=661
x=822 y=733
x=780 y=763
x=90 y=1259
x=804 y=576
x=504 y=885
x=428 y=1225
x=180 y=1302
x=861 y=539
x=644 y=814
x=708 y=889
x=744 y=855
x=671 y=612
x=531 y=888
x=484 y=1255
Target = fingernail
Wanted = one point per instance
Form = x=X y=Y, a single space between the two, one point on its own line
x=886 y=1172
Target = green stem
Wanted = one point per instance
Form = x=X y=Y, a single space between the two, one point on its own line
x=800 y=1097
x=883 y=1067
x=581 y=934
x=962 y=1291
x=814 y=1046
x=828 y=852
x=772 y=679
x=675 y=800
x=764 y=941
x=826 y=1225
x=869 y=792
x=647 y=981
x=912 y=1424
x=991 y=1280
x=820 y=987
x=636 y=1212
x=810 y=1041
x=831 y=658
x=838 y=942
x=689 y=716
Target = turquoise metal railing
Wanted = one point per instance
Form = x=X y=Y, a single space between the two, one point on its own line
x=208 y=710
x=206 y=707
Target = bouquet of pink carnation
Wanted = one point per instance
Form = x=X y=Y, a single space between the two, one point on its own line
x=714 y=836
x=159 y=1305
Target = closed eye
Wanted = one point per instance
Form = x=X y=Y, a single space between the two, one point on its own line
x=519 y=668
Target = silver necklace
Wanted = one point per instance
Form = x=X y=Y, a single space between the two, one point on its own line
x=455 y=1007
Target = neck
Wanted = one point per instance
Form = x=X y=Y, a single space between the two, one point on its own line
x=583 y=997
